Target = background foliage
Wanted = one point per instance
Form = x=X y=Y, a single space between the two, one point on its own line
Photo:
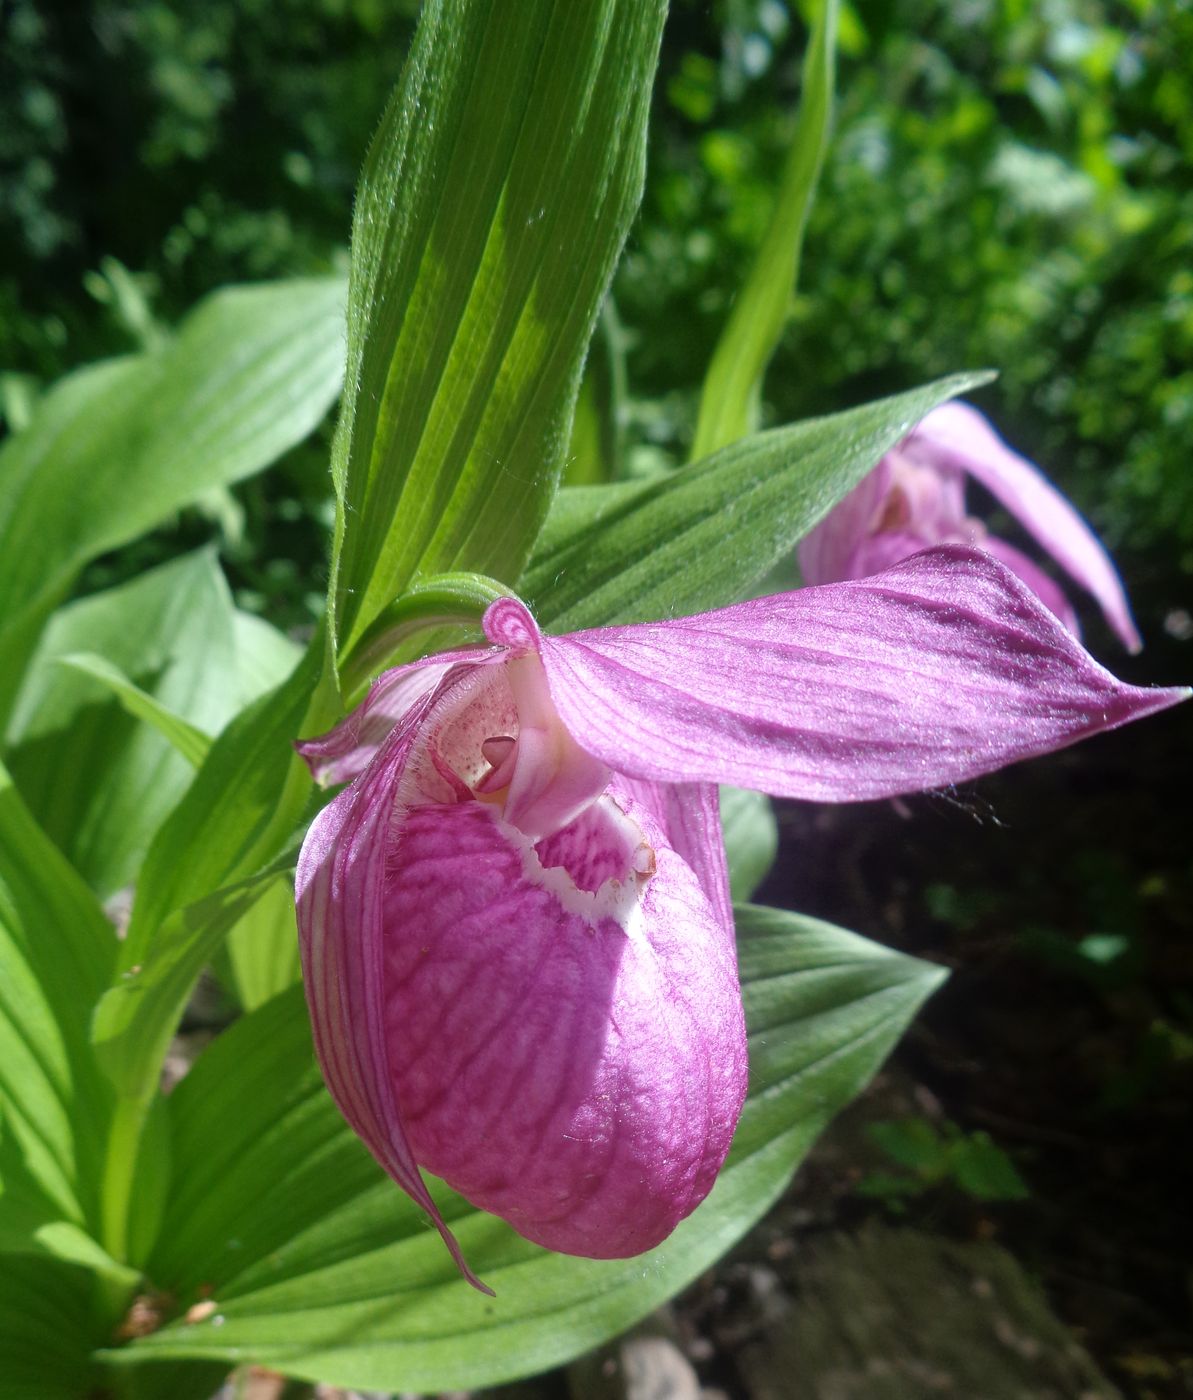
x=1009 y=185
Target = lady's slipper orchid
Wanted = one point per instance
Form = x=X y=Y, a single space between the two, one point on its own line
x=915 y=497
x=516 y=932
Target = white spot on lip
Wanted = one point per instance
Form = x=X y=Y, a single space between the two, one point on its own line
x=619 y=900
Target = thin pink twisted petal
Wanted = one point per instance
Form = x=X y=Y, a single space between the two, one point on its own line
x=347 y=750
x=940 y=669
x=957 y=435
x=340 y=887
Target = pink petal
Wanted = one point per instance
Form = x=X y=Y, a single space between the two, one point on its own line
x=552 y=1024
x=340 y=887
x=959 y=435
x=347 y=750
x=827 y=551
x=943 y=668
x=1046 y=589
x=690 y=816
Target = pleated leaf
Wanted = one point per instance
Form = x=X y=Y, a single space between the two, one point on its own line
x=48 y=1330
x=261 y=953
x=56 y=956
x=494 y=204
x=751 y=839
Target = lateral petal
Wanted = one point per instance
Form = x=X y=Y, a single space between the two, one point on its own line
x=340 y=887
x=943 y=668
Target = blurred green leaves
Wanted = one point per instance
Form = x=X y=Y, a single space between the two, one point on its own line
x=931 y=1156
x=731 y=400
x=116 y=448
x=100 y=782
x=469 y=311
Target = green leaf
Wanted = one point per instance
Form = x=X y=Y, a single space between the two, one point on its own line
x=262 y=948
x=495 y=201
x=98 y=782
x=710 y=532
x=732 y=393
x=983 y=1169
x=242 y=808
x=31 y=1223
x=116 y=448
x=48 y=1330
x=264 y=656
x=321 y=1268
x=137 y=1015
x=186 y=738
x=56 y=956
x=595 y=450
x=751 y=839
x=416 y=621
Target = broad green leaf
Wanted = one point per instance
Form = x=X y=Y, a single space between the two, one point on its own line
x=56 y=955
x=184 y=737
x=494 y=203
x=52 y=1322
x=707 y=534
x=137 y=1015
x=751 y=839
x=48 y=1330
x=208 y=864
x=98 y=781
x=243 y=806
x=732 y=393
x=262 y=948
x=116 y=448
x=322 y=1269
x=31 y=1223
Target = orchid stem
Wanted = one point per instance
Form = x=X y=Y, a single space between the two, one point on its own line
x=124 y=1140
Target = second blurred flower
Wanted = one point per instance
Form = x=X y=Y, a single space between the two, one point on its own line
x=915 y=497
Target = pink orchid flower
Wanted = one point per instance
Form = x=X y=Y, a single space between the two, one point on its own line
x=915 y=497
x=516 y=931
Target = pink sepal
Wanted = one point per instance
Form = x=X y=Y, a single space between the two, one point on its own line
x=943 y=668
